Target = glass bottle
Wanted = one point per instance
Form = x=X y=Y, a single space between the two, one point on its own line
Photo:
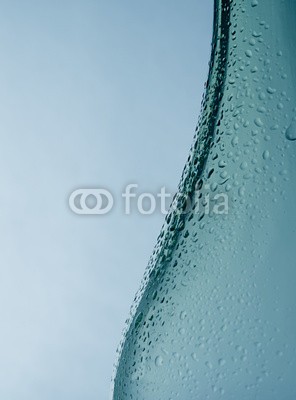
x=216 y=314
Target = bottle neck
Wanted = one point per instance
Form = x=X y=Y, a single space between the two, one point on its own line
x=249 y=106
x=250 y=93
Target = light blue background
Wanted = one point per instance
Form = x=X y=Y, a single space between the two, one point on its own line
x=92 y=94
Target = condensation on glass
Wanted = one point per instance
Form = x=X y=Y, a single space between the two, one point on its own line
x=216 y=313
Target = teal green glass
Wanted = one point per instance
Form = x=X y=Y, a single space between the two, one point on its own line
x=216 y=314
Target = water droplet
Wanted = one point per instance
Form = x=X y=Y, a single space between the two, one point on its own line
x=258 y=122
x=249 y=53
x=261 y=109
x=280 y=106
x=209 y=364
x=159 y=361
x=291 y=131
x=241 y=191
x=234 y=141
x=183 y=315
x=222 y=362
x=244 y=165
x=214 y=186
x=270 y=90
x=254 y=3
x=266 y=155
x=256 y=34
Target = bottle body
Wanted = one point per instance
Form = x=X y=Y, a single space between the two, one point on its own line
x=216 y=314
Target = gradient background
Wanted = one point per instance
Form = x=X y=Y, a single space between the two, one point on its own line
x=93 y=93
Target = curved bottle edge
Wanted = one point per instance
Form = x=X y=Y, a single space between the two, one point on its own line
x=193 y=170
